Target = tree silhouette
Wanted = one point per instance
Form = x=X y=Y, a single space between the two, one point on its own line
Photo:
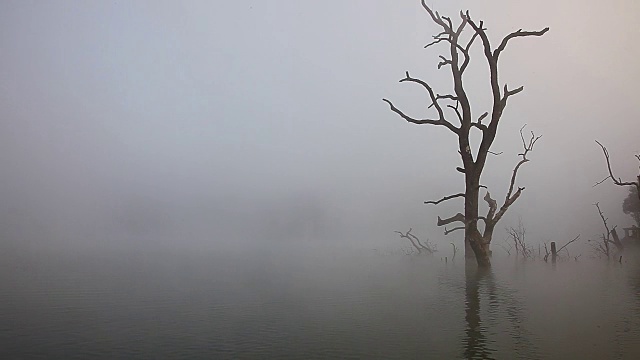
x=458 y=106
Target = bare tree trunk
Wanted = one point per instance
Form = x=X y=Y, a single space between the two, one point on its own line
x=472 y=234
x=468 y=251
x=471 y=212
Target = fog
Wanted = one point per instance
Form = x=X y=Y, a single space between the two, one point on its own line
x=196 y=121
x=257 y=129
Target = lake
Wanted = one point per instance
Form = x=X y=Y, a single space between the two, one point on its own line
x=313 y=303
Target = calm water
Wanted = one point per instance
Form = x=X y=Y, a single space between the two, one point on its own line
x=315 y=304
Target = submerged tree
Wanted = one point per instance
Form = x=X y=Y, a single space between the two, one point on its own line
x=608 y=238
x=517 y=235
x=427 y=247
x=457 y=58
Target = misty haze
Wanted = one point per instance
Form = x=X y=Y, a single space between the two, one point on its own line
x=311 y=180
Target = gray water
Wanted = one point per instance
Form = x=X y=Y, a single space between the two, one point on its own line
x=314 y=304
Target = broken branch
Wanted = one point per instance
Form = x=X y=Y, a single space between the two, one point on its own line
x=454 y=218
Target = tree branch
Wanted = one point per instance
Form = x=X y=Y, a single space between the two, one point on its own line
x=479 y=123
x=465 y=51
x=417 y=244
x=455 y=108
x=454 y=218
x=604 y=220
x=446 y=96
x=449 y=231
x=407 y=236
x=493 y=206
x=428 y=247
x=516 y=34
x=567 y=244
x=437 y=18
x=511 y=197
x=434 y=102
x=508 y=93
x=444 y=62
x=437 y=40
x=617 y=181
x=499 y=99
x=527 y=148
x=444 y=199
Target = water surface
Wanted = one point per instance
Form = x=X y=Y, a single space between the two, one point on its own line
x=314 y=304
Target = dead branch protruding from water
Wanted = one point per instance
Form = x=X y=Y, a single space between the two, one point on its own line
x=427 y=246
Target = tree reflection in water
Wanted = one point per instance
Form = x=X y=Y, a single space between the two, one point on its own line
x=504 y=314
x=475 y=341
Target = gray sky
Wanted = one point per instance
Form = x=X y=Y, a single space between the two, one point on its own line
x=243 y=102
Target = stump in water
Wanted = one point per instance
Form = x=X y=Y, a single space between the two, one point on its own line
x=554 y=253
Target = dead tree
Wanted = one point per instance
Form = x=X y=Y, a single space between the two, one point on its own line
x=610 y=237
x=517 y=237
x=618 y=181
x=427 y=247
x=494 y=214
x=458 y=107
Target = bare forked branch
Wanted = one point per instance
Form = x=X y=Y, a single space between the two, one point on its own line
x=451 y=35
x=408 y=236
x=449 y=197
x=499 y=100
x=503 y=44
x=479 y=123
x=457 y=111
x=417 y=244
x=512 y=196
x=528 y=147
x=617 y=181
x=444 y=62
x=432 y=95
x=465 y=51
x=448 y=29
x=516 y=34
x=440 y=120
x=508 y=93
